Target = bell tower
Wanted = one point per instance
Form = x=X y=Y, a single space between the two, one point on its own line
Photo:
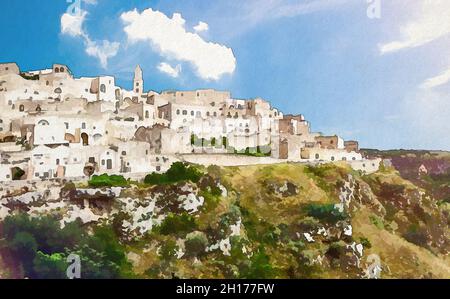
x=138 y=81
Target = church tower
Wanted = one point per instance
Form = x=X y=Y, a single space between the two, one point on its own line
x=138 y=82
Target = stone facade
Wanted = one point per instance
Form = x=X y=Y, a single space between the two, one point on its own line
x=54 y=125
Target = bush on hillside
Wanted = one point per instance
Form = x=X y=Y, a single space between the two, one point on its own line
x=105 y=180
x=178 y=172
x=325 y=212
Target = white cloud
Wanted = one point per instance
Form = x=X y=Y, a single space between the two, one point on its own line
x=72 y=25
x=169 y=70
x=439 y=80
x=201 y=27
x=432 y=22
x=102 y=50
x=170 y=38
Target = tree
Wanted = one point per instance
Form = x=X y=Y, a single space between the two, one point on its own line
x=24 y=246
x=196 y=243
x=52 y=266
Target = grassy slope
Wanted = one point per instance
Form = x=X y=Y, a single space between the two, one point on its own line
x=403 y=258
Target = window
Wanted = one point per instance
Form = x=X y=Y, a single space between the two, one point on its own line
x=147 y=114
x=124 y=153
x=43 y=123
x=21 y=108
x=331 y=141
x=178 y=111
x=184 y=112
x=215 y=114
x=103 y=88
x=207 y=113
x=36 y=174
x=344 y=159
x=61 y=70
x=332 y=158
x=103 y=162
x=353 y=158
x=192 y=113
x=317 y=156
x=158 y=168
x=137 y=83
x=83 y=125
x=57 y=161
x=67 y=125
x=56 y=70
x=198 y=114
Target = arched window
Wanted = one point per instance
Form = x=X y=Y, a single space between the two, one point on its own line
x=199 y=114
x=85 y=139
x=192 y=113
x=184 y=112
x=103 y=88
x=21 y=108
x=147 y=114
x=317 y=156
x=56 y=70
x=43 y=123
x=178 y=111
x=61 y=70
x=332 y=158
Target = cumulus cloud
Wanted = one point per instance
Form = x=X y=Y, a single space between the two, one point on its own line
x=103 y=50
x=72 y=25
x=166 y=68
x=201 y=27
x=169 y=36
x=431 y=23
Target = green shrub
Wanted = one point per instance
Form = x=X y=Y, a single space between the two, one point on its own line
x=177 y=224
x=325 y=212
x=178 y=172
x=50 y=266
x=196 y=243
x=105 y=180
x=365 y=242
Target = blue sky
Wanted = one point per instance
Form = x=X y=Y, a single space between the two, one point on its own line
x=383 y=81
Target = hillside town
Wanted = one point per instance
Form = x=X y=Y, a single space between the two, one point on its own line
x=54 y=125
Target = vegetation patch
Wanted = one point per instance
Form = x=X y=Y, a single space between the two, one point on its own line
x=178 y=172
x=104 y=180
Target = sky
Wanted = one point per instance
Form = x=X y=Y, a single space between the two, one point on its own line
x=377 y=71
